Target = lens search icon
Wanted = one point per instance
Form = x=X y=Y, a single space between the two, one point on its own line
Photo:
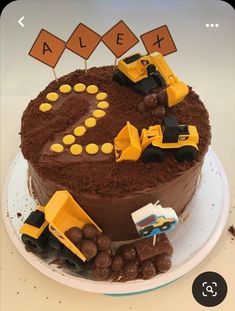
x=209 y=289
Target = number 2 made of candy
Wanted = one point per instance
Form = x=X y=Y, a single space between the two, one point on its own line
x=68 y=143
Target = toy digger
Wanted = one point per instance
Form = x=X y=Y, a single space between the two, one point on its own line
x=146 y=72
x=48 y=224
x=150 y=146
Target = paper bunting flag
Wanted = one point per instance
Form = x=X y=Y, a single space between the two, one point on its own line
x=119 y=39
x=47 y=48
x=159 y=40
x=83 y=41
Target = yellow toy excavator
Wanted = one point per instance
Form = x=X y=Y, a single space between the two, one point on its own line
x=150 y=145
x=146 y=72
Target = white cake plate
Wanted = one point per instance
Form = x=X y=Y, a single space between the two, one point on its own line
x=200 y=228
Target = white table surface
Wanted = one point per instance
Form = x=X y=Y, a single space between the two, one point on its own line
x=205 y=59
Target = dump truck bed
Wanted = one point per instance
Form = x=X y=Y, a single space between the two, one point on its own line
x=62 y=212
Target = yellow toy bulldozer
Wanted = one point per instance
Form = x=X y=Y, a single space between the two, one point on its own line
x=48 y=224
x=146 y=72
x=150 y=145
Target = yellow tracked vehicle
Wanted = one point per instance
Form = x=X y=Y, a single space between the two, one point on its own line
x=146 y=72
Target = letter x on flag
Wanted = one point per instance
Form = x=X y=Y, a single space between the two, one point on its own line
x=159 y=40
x=47 y=48
x=119 y=39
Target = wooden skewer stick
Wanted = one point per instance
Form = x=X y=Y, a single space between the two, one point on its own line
x=115 y=64
x=154 y=239
x=55 y=74
x=85 y=66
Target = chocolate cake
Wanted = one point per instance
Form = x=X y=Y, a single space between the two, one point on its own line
x=108 y=191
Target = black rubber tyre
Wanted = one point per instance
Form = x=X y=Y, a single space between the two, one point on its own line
x=146 y=231
x=119 y=77
x=54 y=243
x=165 y=226
x=186 y=153
x=152 y=154
x=71 y=260
x=36 y=245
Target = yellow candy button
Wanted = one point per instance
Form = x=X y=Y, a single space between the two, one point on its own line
x=45 y=107
x=107 y=148
x=101 y=96
x=92 y=149
x=79 y=87
x=103 y=105
x=92 y=89
x=68 y=139
x=90 y=122
x=52 y=96
x=57 y=148
x=79 y=130
x=65 y=88
x=98 y=113
x=76 y=149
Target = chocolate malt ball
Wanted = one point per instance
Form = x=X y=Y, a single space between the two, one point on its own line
x=159 y=112
x=100 y=274
x=119 y=250
x=163 y=262
x=103 y=242
x=88 y=248
x=128 y=253
x=74 y=234
x=131 y=270
x=103 y=260
x=89 y=231
x=150 y=101
x=141 y=107
x=148 y=269
x=117 y=263
x=162 y=98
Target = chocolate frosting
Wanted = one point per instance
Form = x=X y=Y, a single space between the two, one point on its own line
x=108 y=191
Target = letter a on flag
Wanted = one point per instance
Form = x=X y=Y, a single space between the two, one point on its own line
x=47 y=48
x=83 y=41
x=119 y=39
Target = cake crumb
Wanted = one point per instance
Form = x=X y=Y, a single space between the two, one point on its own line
x=18 y=215
x=232 y=230
x=55 y=261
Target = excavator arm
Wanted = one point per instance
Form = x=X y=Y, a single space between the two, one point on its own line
x=176 y=90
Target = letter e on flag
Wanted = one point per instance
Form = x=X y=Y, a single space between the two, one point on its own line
x=119 y=39
x=47 y=48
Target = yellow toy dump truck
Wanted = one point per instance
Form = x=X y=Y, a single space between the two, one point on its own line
x=48 y=224
x=146 y=72
x=150 y=145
